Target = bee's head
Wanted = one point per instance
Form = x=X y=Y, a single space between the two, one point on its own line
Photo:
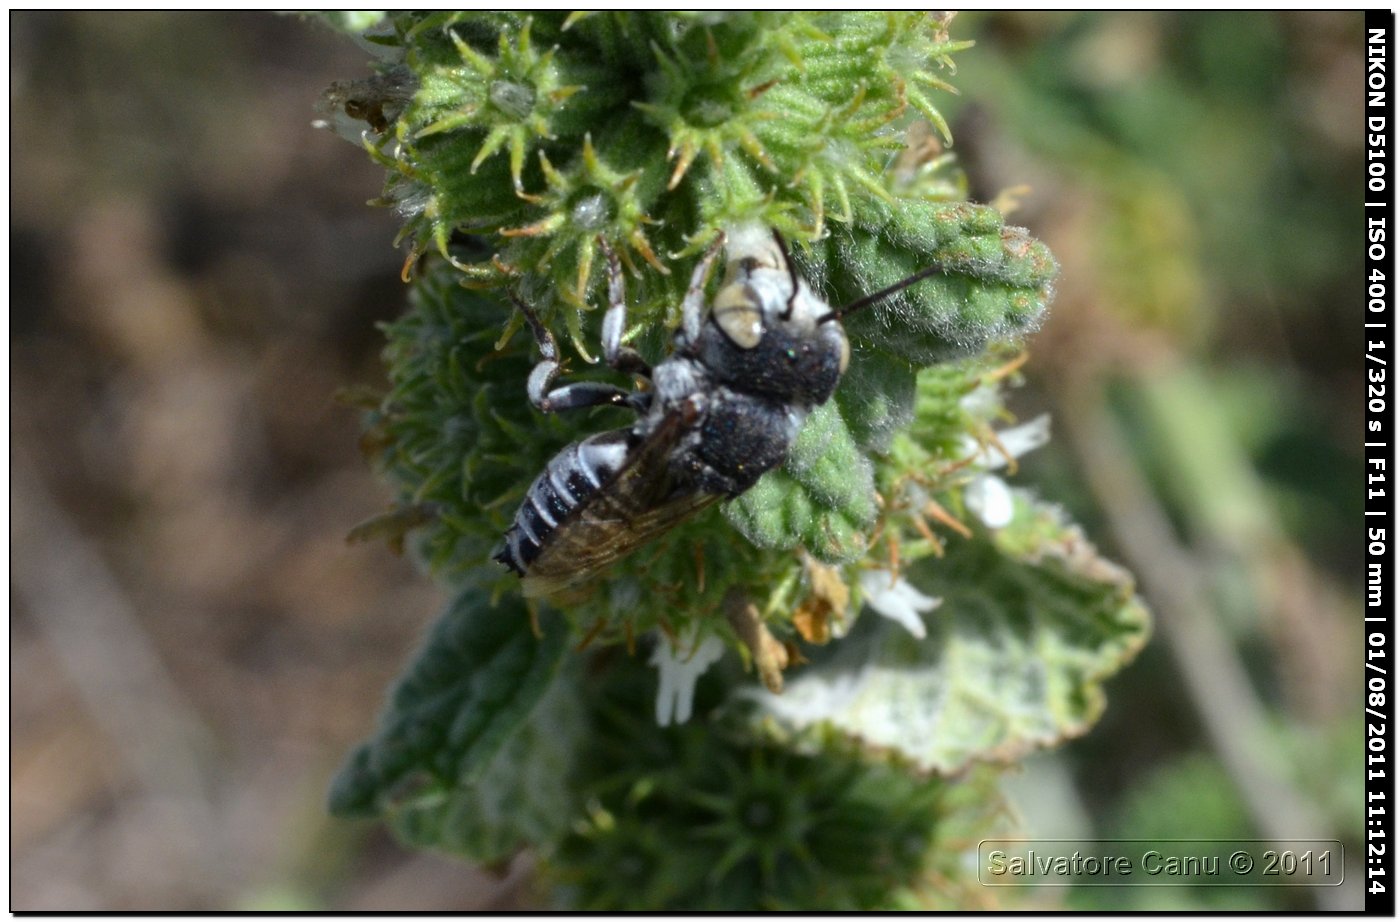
x=763 y=291
x=765 y=333
x=769 y=332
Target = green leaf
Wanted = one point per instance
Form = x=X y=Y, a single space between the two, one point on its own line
x=470 y=689
x=1032 y=622
x=996 y=281
x=822 y=498
x=876 y=398
x=521 y=797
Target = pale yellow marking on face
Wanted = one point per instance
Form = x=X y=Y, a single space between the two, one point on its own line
x=738 y=315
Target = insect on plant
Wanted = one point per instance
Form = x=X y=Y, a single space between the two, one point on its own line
x=723 y=409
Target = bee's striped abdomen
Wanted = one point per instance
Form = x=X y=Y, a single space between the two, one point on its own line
x=570 y=479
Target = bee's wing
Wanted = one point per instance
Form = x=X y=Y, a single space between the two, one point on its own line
x=639 y=503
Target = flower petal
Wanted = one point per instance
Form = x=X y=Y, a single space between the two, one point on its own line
x=679 y=668
x=1017 y=441
x=989 y=498
x=894 y=598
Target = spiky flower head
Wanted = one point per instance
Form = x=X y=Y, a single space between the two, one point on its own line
x=544 y=135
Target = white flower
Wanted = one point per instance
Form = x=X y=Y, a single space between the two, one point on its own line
x=989 y=498
x=1017 y=441
x=895 y=599
x=983 y=401
x=679 y=669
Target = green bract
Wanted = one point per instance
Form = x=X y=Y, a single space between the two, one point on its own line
x=515 y=144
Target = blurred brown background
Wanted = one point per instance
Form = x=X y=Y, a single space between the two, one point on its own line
x=195 y=274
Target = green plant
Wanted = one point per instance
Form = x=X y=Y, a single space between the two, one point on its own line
x=514 y=144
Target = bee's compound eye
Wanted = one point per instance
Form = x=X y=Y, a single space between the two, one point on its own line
x=845 y=355
x=738 y=317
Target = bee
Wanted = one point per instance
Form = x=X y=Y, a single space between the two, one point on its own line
x=723 y=409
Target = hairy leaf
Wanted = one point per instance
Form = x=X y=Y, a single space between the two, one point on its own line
x=1031 y=623
x=518 y=797
x=469 y=690
x=994 y=283
x=823 y=498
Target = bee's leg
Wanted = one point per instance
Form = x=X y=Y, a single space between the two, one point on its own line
x=693 y=307
x=550 y=399
x=623 y=358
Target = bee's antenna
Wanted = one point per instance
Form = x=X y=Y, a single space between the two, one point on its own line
x=882 y=294
x=792 y=272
